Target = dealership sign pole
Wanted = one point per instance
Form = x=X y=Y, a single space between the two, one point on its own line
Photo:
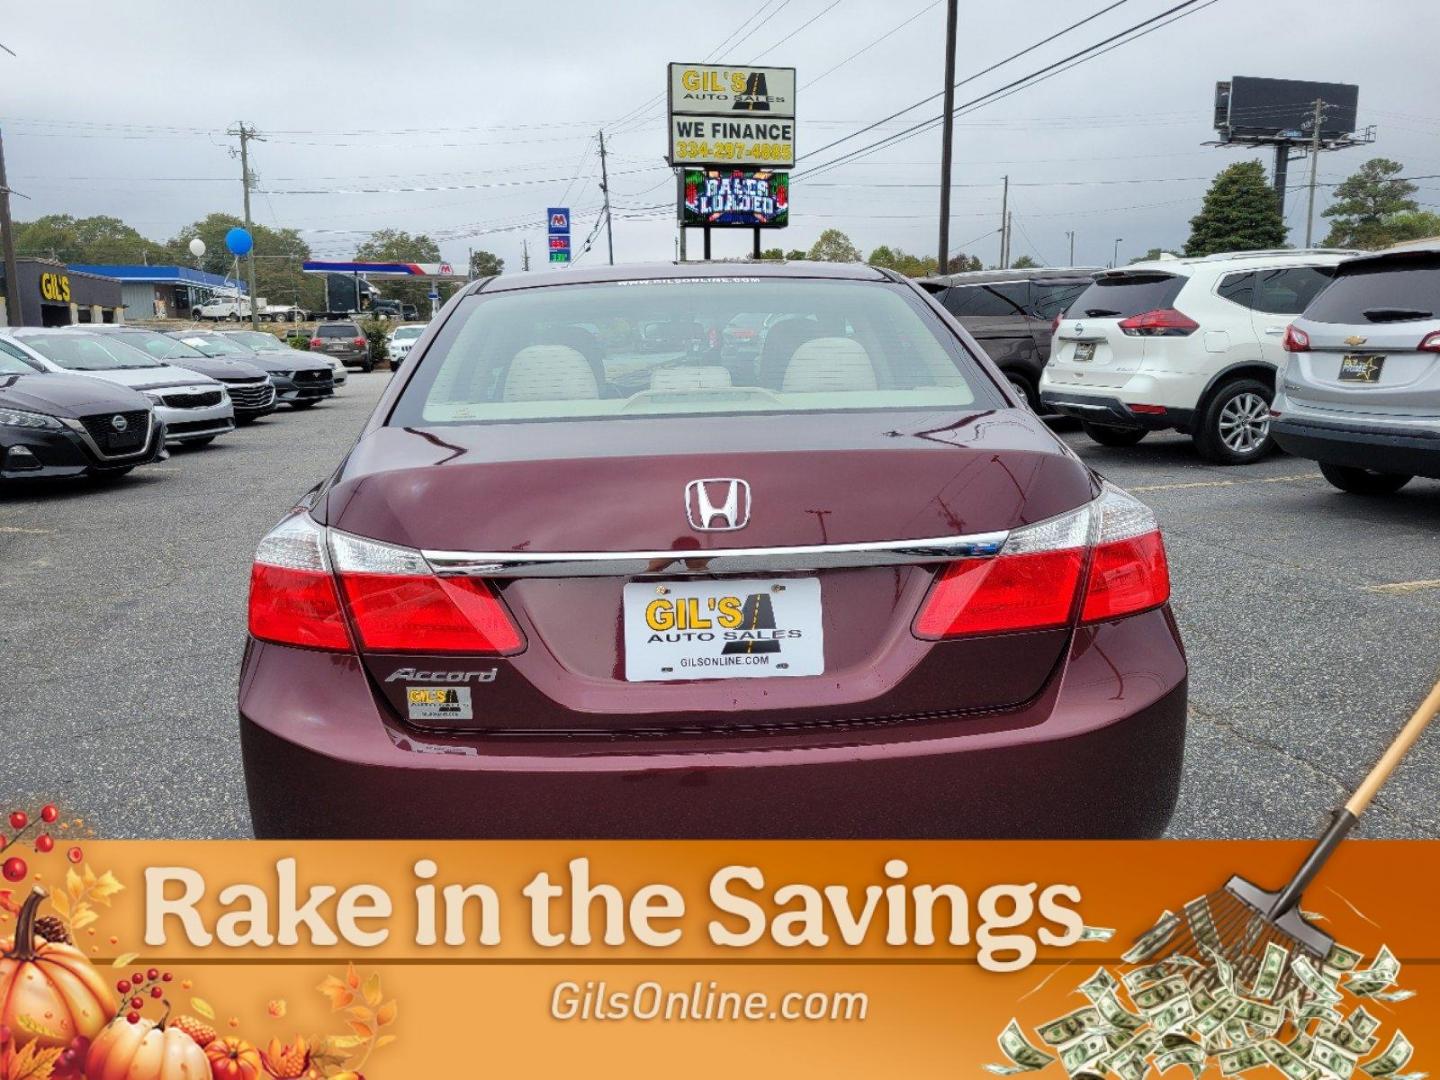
x=732 y=142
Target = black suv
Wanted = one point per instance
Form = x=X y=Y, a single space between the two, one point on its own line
x=1011 y=313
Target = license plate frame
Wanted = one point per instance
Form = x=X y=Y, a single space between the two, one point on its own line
x=720 y=628
x=1361 y=368
x=1084 y=352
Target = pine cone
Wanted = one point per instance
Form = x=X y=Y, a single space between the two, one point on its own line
x=52 y=929
x=201 y=1032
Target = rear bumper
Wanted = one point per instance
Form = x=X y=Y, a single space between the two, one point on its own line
x=1111 y=410
x=1411 y=452
x=1097 y=754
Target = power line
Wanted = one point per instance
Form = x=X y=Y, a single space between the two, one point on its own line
x=802 y=26
x=877 y=41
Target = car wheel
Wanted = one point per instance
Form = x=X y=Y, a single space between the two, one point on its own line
x=1363 y=481
x=1021 y=385
x=302 y=405
x=367 y=366
x=1235 y=426
x=1110 y=435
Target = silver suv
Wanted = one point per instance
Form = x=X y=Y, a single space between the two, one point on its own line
x=1360 y=390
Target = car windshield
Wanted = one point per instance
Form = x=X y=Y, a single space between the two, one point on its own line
x=89 y=352
x=215 y=345
x=657 y=347
x=1405 y=288
x=408 y=333
x=1119 y=296
x=158 y=345
x=13 y=365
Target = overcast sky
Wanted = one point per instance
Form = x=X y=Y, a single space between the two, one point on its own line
x=122 y=109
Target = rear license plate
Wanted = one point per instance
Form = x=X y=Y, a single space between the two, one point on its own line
x=1084 y=351
x=1362 y=369
x=337 y=348
x=723 y=629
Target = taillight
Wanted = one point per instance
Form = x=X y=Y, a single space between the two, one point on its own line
x=398 y=604
x=1163 y=322
x=316 y=342
x=1032 y=584
x=1297 y=340
x=292 y=593
x=1430 y=342
x=360 y=341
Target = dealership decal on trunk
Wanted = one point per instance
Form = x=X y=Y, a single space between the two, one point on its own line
x=723 y=630
x=439 y=703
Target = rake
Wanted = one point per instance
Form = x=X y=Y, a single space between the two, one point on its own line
x=1240 y=920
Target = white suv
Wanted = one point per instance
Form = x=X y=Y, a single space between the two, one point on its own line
x=1190 y=345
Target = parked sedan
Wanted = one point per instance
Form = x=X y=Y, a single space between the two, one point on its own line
x=565 y=585
x=196 y=409
x=261 y=342
x=300 y=380
x=54 y=425
x=250 y=389
x=1360 y=390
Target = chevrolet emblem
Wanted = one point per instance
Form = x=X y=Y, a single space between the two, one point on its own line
x=1355 y=339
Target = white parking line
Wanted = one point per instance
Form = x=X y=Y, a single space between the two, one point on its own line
x=1225 y=483
x=25 y=532
x=1400 y=588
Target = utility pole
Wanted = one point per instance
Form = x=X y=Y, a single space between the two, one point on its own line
x=605 y=187
x=1005 y=224
x=246 y=134
x=525 y=254
x=1071 y=234
x=1314 y=160
x=7 y=240
x=947 y=136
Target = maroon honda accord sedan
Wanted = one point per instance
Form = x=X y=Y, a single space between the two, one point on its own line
x=600 y=567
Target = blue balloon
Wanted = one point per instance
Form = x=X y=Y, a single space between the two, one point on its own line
x=238 y=241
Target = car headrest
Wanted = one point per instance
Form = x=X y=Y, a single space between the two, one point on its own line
x=550 y=373
x=689 y=378
x=829 y=363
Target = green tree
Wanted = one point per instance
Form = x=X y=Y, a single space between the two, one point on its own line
x=485 y=264
x=396 y=245
x=1367 y=204
x=797 y=253
x=1153 y=254
x=97 y=239
x=834 y=246
x=1239 y=213
x=1025 y=262
x=279 y=254
x=1413 y=225
x=901 y=261
x=773 y=254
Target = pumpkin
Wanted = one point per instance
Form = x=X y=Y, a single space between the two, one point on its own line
x=233 y=1059
x=49 y=984
x=145 y=1051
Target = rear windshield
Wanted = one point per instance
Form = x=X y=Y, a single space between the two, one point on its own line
x=337 y=330
x=159 y=346
x=1399 y=290
x=659 y=347
x=1125 y=295
x=1050 y=298
x=84 y=352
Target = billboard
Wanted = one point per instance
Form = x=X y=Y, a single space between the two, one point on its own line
x=1283 y=108
x=735 y=198
x=721 y=114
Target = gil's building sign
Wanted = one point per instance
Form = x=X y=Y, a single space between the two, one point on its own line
x=52 y=294
x=721 y=115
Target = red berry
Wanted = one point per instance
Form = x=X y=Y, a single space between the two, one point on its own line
x=152 y=974
x=19 y=819
x=166 y=977
x=133 y=1017
x=123 y=986
x=44 y=844
x=157 y=992
x=15 y=869
x=49 y=813
x=138 y=978
x=75 y=854
x=137 y=1003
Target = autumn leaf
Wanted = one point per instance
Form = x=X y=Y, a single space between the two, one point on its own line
x=35 y=1027
x=384 y=1040
x=124 y=959
x=277 y=1008
x=352 y=977
x=84 y=915
x=360 y=1012
x=105 y=888
x=365 y=1031
x=88 y=876
x=59 y=901
x=33 y=1063
x=372 y=989
x=203 y=1007
x=344 y=1042
x=73 y=884
x=386 y=1013
x=339 y=994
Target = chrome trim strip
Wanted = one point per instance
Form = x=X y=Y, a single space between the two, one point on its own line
x=79 y=429
x=516 y=564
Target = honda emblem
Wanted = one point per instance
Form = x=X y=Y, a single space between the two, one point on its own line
x=717 y=504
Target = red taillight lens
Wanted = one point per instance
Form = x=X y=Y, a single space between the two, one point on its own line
x=1298 y=341
x=360 y=341
x=1163 y=322
x=992 y=596
x=1126 y=576
x=296 y=607
x=316 y=342
x=428 y=614
x=1430 y=342
x=1032 y=583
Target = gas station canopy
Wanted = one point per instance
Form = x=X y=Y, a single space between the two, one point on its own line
x=414 y=271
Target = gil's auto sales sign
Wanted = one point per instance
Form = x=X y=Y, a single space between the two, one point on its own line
x=723 y=115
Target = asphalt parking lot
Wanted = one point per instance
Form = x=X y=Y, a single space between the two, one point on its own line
x=1312 y=621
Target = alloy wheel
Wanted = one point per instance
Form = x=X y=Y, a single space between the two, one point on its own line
x=1244 y=423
